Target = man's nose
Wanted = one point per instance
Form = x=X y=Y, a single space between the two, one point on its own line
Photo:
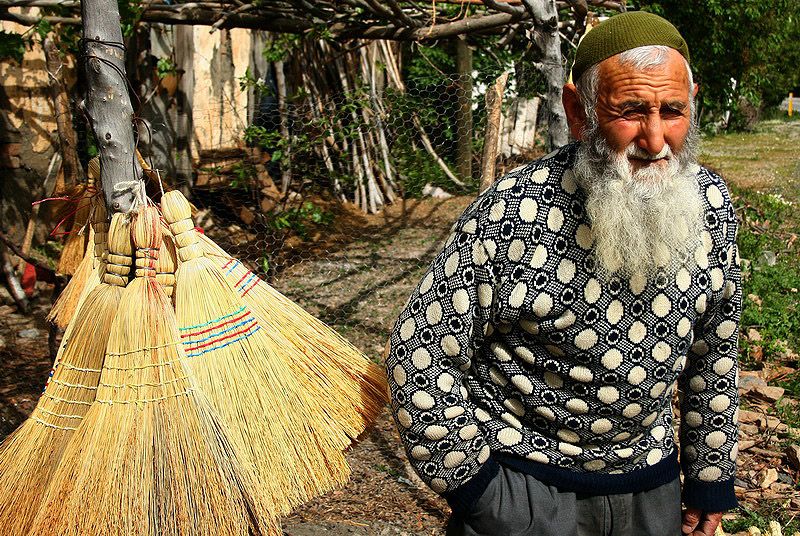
x=651 y=137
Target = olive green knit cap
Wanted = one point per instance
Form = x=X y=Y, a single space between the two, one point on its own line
x=623 y=32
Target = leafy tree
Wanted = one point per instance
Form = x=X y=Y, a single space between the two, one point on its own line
x=754 y=42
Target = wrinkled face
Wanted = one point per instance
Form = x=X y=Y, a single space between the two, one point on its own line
x=642 y=111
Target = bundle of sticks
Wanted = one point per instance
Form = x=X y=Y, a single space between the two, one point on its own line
x=188 y=396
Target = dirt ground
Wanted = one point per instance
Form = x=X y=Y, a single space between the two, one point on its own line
x=356 y=275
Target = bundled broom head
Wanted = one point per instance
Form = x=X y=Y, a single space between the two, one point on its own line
x=280 y=425
x=31 y=454
x=150 y=457
x=77 y=240
x=87 y=276
x=353 y=386
x=167 y=262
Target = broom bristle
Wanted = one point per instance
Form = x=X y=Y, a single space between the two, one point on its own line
x=150 y=457
x=32 y=453
x=278 y=423
x=355 y=387
x=87 y=277
x=77 y=241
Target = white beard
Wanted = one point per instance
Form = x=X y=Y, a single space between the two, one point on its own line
x=642 y=221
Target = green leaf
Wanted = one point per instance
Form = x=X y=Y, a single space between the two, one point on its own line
x=12 y=46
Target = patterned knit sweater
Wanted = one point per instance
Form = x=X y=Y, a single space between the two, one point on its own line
x=513 y=350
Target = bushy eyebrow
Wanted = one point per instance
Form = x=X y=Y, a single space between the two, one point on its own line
x=678 y=106
x=641 y=106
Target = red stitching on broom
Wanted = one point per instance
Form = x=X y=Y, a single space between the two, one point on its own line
x=212 y=328
x=251 y=287
x=228 y=336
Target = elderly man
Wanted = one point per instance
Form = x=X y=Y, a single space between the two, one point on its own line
x=532 y=370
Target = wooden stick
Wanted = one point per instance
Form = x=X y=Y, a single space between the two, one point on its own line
x=14 y=287
x=494 y=107
x=47 y=190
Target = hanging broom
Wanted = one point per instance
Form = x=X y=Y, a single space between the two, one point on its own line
x=349 y=378
x=150 y=458
x=29 y=456
x=276 y=420
x=76 y=245
x=84 y=277
x=167 y=262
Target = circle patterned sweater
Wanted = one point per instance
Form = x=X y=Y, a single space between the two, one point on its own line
x=513 y=350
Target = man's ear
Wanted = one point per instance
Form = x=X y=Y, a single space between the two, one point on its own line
x=576 y=118
x=695 y=90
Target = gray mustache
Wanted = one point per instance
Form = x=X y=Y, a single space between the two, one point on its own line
x=634 y=151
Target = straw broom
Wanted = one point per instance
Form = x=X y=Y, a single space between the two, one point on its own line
x=30 y=455
x=150 y=458
x=87 y=276
x=279 y=425
x=351 y=380
x=76 y=245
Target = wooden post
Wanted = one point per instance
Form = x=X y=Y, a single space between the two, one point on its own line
x=108 y=105
x=73 y=172
x=464 y=115
x=791 y=101
x=494 y=107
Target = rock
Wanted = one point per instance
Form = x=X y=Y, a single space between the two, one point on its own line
x=749 y=380
x=766 y=477
x=2 y=343
x=768 y=422
x=754 y=335
x=767 y=258
x=755 y=298
x=435 y=192
x=745 y=444
x=31 y=333
x=793 y=455
x=749 y=417
x=769 y=393
x=783 y=478
x=748 y=429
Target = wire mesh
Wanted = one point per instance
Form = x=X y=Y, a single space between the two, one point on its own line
x=340 y=200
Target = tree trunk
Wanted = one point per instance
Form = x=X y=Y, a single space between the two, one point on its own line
x=108 y=105
x=464 y=115
x=66 y=133
x=551 y=64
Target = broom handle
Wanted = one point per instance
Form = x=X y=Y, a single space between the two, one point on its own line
x=108 y=105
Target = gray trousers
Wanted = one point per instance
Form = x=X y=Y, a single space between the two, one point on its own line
x=516 y=504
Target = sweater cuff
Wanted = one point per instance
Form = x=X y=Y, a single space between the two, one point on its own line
x=709 y=496
x=464 y=497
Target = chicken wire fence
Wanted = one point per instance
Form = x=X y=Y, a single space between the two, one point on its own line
x=340 y=200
